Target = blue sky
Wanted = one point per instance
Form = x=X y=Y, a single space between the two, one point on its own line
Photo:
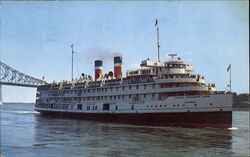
x=210 y=35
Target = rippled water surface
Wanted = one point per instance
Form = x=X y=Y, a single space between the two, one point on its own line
x=24 y=133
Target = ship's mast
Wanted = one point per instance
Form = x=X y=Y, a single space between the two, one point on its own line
x=158 y=39
x=72 y=60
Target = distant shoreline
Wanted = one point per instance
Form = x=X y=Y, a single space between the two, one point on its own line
x=241 y=109
x=18 y=103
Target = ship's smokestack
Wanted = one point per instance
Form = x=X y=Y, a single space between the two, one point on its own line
x=98 y=69
x=118 y=67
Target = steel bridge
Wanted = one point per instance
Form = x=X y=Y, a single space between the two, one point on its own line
x=12 y=77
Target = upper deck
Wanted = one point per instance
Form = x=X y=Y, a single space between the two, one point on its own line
x=174 y=72
x=173 y=66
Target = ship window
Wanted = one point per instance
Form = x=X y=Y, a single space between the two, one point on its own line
x=153 y=85
x=151 y=105
x=93 y=91
x=111 y=89
x=123 y=88
x=105 y=107
x=137 y=87
x=132 y=107
x=102 y=89
x=160 y=105
x=122 y=96
x=118 y=96
x=117 y=88
x=221 y=110
x=178 y=105
x=211 y=104
x=194 y=104
x=106 y=89
x=105 y=97
x=93 y=108
x=114 y=97
x=145 y=86
x=145 y=95
x=116 y=107
x=129 y=87
x=129 y=95
x=156 y=106
x=153 y=95
x=174 y=105
x=111 y=97
x=183 y=105
x=165 y=105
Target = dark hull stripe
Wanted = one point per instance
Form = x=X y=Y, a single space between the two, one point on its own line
x=184 y=119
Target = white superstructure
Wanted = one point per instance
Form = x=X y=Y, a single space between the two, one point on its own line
x=155 y=87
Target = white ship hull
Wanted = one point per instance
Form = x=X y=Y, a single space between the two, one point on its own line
x=190 y=111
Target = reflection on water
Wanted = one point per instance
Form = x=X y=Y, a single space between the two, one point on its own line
x=94 y=138
x=30 y=134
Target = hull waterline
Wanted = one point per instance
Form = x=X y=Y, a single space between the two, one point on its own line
x=184 y=119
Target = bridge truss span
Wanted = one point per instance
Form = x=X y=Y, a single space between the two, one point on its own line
x=10 y=76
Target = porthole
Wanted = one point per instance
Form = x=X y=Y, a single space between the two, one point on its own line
x=194 y=104
x=211 y=104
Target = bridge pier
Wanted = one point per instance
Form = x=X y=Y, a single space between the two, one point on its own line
x=1 y=102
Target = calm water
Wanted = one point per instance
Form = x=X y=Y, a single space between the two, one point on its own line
x=24 y=133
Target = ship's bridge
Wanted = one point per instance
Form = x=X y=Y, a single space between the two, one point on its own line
x=174 y=66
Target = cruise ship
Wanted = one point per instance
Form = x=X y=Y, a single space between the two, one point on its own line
x=157 y=94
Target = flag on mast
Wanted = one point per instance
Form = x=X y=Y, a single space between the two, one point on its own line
x=156 y=22
x=229 y=67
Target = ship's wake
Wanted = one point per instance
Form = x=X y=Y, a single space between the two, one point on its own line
x=20 y=112
x=233 y=128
